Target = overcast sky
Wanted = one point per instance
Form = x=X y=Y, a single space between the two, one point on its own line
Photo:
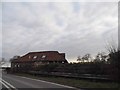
x=74 y=28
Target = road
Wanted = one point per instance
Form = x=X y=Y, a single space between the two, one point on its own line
x=20 y=83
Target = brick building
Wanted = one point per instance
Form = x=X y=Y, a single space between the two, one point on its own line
x=34 y=59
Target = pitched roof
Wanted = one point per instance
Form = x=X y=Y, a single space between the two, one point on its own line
x=43 y=56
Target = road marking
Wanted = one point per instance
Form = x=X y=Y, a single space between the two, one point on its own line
x=8 y=85
x=48 y=82
x=4 y=84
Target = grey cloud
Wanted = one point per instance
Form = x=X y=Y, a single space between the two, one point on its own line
x=34 y=27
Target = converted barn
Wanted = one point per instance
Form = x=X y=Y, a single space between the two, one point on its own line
x=34 y=59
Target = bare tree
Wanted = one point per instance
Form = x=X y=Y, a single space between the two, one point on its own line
x=86 y=57
x=111 y=46
x=114 y=51
x=114 y=56
x=79 y=59
x=104 y=57
x=101 y=57
x=97 y=58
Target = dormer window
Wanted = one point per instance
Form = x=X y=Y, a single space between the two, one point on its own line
x=43 y=56
x=35 y=57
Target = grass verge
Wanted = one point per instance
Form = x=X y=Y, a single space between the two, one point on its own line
x=75 y=82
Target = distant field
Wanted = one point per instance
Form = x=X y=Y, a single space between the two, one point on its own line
x=76 y=82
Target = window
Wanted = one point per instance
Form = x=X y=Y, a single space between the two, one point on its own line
x=35 y=57
x=43 y=56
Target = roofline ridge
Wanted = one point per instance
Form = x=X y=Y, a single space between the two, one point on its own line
x=41 y=52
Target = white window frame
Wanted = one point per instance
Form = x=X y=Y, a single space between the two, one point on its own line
x=34 y=57
x=43 y=56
